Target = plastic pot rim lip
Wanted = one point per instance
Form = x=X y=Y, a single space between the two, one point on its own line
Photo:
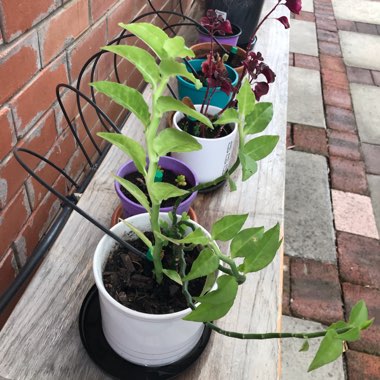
x=133 y=313
x=162 y=209
x=238 y=33
x=192 y=85
x=205 y=138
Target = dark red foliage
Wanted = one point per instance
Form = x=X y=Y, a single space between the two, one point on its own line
x=294 y=6
x=216 y=24
x=284 y=21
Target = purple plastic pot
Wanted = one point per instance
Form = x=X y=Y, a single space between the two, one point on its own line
x=226 y=40
x=169 y=163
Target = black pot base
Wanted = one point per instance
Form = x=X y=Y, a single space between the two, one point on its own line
x=212 y=188
x=97 y=347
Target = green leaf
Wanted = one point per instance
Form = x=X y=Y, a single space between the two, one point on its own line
x=329 y=350
x=207 y=262
x=259 y=119
x=139 y=233
x=244 y=242
x=175 y=48
x=230 y=115
x=135 y=191
x=248 y=165
x=358 y=314
x=173 y=275
x=170 y=68
x=338 y=325
x=129 y=146
x=167 y=104
x=231 y=183
x=173 y=140
x=127 y=97
x=162 y=191
x=195 y=237
x=209 y=283
x=143 y=61
x=350 y=335
x=152 y=35
x=217 y=303
x=228 y=226
x=367 y=324
x=305 y=346
x=259 y=147
x=246 y=99
x=264 y=251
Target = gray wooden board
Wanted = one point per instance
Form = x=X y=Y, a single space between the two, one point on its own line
x=41 y=339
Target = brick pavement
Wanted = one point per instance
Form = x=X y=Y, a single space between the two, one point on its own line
x=324 y=291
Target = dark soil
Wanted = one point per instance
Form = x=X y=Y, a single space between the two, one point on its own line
x=129 y=280
x=137 y=179
x=198 y=129
x=236 y=61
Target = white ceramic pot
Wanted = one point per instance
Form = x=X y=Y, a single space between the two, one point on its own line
x=214 y=158
x=144 y=339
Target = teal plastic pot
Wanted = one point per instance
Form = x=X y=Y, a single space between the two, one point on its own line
x=219 y=99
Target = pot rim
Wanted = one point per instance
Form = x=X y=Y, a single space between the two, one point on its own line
x=235 y=27
x=100 y=285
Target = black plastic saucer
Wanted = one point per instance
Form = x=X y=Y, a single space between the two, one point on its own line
x=94 y=341
x=212 y=188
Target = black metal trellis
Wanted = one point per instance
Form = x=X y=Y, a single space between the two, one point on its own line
x=69 y=201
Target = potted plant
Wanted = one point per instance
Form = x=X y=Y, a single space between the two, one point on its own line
x=174 y=252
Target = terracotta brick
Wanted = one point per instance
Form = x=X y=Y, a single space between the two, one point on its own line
x=357 y=75
x=12 y=218
x=29 y=105
x=371 y=155
x=340 y=119
x=326 y=24
x=347 y=25
x=18 y=63
x=337 y=96
x=289 y=135
x=315 y=291
x=61 y=30
x=286 y=287
x=309 y=139
x=100 y=7
x=305 y=16
x=69 y=101
x=347 y=175
x=8 y=269
x=359 y=259
x=370 y=339
x=306 y=61
x=329 y=48
x=366 y=28
x=17 y=16
x=329 y=62
x=344 y=144
x=85 y=47
x=334 y=79
x=325 y=35
x=362 y=366
x=7 y=133
x=376 y=77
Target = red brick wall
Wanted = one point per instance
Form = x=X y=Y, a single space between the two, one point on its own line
x=43 y=43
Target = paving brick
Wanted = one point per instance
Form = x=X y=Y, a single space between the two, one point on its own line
x=359 y=259
x=376 y=77
x=326 y=25
x=7 y=133
x=289 y=135
x=370 y=338
x=315 y=291
x=306 y=61
x=331 y=78
x=337 y=96
x=18 y=63
x=310 y=139
x=100 y=7
x=344 y=144
x=30 y=104
x=286 y=287
x=329 y=48
x=61 y=29
x=362 y=366
x=346 y=25
x=348 y=175
x=329 y=62
x=357 y=75
x=305 y=16
x=12 y=218
x=353 y=213
x=366 y=28
x=28 y=14
x=327 y=36
x=340 y=119
x=371 y=155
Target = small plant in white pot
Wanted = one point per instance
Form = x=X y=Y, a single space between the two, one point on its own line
x=170 y=269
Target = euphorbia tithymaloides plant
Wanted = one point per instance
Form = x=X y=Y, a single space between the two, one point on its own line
x=251 y=249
